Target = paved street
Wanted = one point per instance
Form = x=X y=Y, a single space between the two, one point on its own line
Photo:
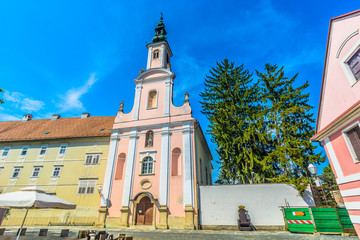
x=54 y=233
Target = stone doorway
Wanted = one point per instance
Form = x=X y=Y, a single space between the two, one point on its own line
x=144 y=212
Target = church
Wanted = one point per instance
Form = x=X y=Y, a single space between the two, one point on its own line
x=158 y=155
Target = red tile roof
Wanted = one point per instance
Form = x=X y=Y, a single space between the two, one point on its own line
x=60 y=128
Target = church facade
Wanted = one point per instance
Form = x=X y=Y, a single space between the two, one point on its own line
x=158 y=155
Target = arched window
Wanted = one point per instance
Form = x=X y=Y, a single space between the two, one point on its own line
x=147 y=165
x=156 y=54
x=176 y=162
x=149 y=139
x=120 y=166
x=152 y=99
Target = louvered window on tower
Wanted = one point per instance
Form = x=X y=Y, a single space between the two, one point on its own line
x=156 y=54
x=353 y=136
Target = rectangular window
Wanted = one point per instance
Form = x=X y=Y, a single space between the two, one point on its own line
x=5 y=152
x=86 y=186
x=92 y=159
x=56 y=171
x=24 y=151
x=62 y=149
x=36 y=172
x=43 y=151
x=354 y=64
x=16 y=172
x=353 y=142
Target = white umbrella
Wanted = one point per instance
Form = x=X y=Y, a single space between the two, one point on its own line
x=33 y=197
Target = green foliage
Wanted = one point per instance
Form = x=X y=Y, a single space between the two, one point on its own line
x=289 y=123
x=262 y=128
x=1 y=100
x=328 y=181
x=230 y=102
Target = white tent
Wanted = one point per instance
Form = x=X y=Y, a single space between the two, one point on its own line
x=33 y=197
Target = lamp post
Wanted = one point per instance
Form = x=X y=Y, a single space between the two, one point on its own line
x=313 y=170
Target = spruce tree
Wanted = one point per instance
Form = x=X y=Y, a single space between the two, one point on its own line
x=289 y=127
x=231 y=103
x=1 y=100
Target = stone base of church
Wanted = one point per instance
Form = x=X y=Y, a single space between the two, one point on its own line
x=163 y=217
x=189 y=217
x=100 y=221
x=124 y=219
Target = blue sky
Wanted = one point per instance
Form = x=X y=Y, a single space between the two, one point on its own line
x=69 y=57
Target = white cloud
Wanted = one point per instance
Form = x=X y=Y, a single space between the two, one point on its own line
x=8 y=117
x=71 y=100
x=31 y=105
x=18 y=100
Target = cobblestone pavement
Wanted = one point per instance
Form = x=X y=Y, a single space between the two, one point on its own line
x=54 y=233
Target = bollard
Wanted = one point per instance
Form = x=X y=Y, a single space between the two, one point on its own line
x=23 y=231
x=64 y=233
x=43 y=232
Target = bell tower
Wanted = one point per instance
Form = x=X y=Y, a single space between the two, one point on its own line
x=159 y=52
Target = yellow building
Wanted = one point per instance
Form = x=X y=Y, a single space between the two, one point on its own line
x=65 y=156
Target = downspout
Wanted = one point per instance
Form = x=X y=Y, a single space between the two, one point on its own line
x=197 y=179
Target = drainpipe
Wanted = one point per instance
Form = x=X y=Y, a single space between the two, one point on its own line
x=197 y=177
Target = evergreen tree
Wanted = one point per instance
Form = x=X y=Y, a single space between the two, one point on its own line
x=231 y=104
x=289 y=127
x=328 y=181
x=1 y=100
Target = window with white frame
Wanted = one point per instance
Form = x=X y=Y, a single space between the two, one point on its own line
x=86 y=186
x=62 y=149
x=56 y=171
x=5 y=152
x=352 y=138
x=16 y=172
x=36 y=172
x=43 y=150
x=24 y=151
x=152 y=99
x=354 y=65
x=92 y=159
x=147 y=165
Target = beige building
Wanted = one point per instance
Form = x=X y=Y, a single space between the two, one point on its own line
x=65 y=156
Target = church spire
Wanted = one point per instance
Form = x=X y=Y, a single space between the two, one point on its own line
x=160 y=31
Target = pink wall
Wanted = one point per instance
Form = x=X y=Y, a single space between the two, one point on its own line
x=342 y=152
x=338 y=95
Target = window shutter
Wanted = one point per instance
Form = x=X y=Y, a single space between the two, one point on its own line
x=354 y=136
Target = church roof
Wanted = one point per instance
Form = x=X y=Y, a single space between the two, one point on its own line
x=42 y=129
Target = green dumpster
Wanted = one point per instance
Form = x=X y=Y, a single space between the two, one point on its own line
x=299 y=220
x=318 y=219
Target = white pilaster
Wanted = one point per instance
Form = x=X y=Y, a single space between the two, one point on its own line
x=334 y=159
x=164 y=167
x=110 y=166
x=137 y=101
x=162 y=56
x=148 y=65
x=129 y=173
x=167 y=97
x=188 y=179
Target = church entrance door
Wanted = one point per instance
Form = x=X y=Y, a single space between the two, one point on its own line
x=144 y=212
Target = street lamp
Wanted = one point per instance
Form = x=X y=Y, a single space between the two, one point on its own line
x=313 y=170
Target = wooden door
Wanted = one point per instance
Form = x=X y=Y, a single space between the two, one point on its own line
x=144 y=212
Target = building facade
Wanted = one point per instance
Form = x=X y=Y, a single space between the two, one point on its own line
x=65 y=156
x=338 y=122
x=157 y=155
